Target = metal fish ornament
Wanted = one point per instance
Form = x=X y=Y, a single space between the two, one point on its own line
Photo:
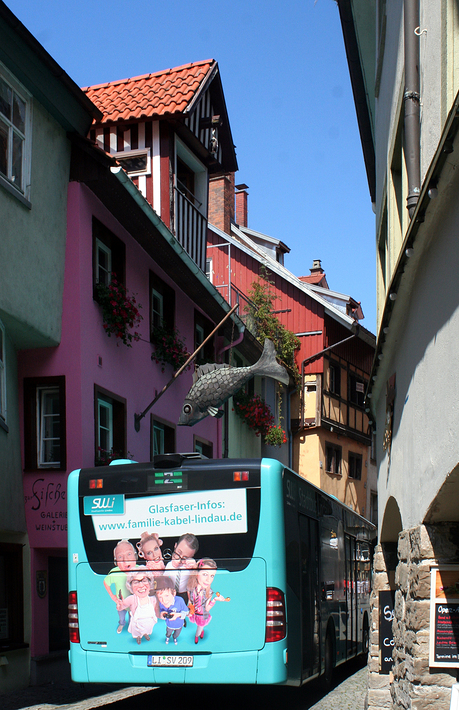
x=217 y=383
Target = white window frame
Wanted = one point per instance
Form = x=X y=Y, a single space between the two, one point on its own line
x=108 y=430
x=42 y=393
x=22 y=191
x=210 y=269
x=199 y=170
x=126 y=154
x=3 y=411
x=101 y=246
x=156 y=295
x=158 y=433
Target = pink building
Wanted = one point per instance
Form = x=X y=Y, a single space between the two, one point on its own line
x=81 y=399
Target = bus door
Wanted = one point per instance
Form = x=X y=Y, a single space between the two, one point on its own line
x=351 y=597
x=309 y=561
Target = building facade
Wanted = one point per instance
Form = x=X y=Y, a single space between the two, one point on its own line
x=329 y=435
x=403 y=60
x=40 y=105
x=85 y=376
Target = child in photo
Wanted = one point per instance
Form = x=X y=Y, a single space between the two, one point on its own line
x=142 y=607
x=149 y=547
x=201 y=595
x=172 y=608
x=125 y=557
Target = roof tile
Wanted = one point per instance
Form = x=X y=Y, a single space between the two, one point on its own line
x=165 y=92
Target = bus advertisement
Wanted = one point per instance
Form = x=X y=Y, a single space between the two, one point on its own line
x=190 y=570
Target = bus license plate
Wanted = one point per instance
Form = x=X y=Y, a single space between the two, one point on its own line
x=171 y=661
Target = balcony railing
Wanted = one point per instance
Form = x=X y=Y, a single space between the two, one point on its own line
x=190 y=229
x=233 y=295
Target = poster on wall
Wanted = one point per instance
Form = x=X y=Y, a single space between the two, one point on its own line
x=386 y=636
x=444 y=617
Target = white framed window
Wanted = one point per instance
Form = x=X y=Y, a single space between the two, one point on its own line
x=135 y=162
x=162 y=437
x=15 y=135
x=104 y=426
x=209 y=270
x=333 y=459
x=190 y=176
x=157 y=308
x=2 y=374
x=103 y=263
x=48 y=427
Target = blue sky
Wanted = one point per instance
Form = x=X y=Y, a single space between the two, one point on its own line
x=289 y=100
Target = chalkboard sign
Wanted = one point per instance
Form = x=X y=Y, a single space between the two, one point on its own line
x=386 y=637
x=444 y=617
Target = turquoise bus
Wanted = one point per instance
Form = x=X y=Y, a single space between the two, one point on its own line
x=191 y=570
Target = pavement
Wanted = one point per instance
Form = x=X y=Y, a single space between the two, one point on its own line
x=348 y=693
x=68 y=696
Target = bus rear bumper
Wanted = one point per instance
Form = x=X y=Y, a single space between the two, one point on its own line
x=249 y=667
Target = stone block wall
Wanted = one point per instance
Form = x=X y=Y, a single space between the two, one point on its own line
x=412 y=684
x=384 y=563
x=415 y=686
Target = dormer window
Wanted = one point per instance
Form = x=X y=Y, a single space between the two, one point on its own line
x=135 y=162
x=191 y=177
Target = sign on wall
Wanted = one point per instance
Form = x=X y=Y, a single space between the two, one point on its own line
x=386 y=636
x=444 y=616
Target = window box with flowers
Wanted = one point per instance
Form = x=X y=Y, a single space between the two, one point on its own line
x=104 y=458
x=254 y=411
x=120 y=312
x=169 y=348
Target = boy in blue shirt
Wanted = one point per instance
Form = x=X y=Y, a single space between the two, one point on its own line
x=172 y=608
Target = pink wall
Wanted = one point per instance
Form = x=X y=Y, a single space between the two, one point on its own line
x=127 y=372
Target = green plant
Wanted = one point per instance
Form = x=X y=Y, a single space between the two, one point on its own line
x=105 y=457
x=120 y=312
x=276 y=436
x=254 y=411
x=261 y=312
x=169 y=348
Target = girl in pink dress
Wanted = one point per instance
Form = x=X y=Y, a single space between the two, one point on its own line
x=201 y=597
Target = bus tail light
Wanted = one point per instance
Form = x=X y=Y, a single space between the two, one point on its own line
x=74 y=630
x=276 y=628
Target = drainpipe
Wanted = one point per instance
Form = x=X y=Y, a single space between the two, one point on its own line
x=412 y=103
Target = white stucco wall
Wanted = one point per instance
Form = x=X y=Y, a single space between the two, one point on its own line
x=423 y=351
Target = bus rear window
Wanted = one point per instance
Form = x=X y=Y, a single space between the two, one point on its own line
x=218 y=508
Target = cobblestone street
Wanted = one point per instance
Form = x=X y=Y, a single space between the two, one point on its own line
x=348 y=694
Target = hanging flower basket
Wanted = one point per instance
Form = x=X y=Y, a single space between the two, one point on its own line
x=254 y=411
x=276 y=436
x=169 y=348
x=120 y=312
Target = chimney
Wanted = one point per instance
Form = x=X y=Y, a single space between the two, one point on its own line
x=241 y=205
x=221 y=202
x=316 y=267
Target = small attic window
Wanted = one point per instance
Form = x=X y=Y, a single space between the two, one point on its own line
x=134 y=162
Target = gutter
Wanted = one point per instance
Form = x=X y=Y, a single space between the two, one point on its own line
x=412 y=103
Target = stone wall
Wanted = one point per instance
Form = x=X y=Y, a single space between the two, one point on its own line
x=411 y=685
x=384 y=563
x=416 y=686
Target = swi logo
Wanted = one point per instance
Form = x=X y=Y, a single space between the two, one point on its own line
x=104 y=505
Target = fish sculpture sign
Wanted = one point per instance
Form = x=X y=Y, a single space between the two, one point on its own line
x=215 y=384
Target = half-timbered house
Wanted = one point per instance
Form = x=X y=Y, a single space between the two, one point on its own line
x=330 y=431
x=169 y=131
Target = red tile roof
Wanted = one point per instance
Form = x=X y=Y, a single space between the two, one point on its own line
x=165 y=92
x=317 y=279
